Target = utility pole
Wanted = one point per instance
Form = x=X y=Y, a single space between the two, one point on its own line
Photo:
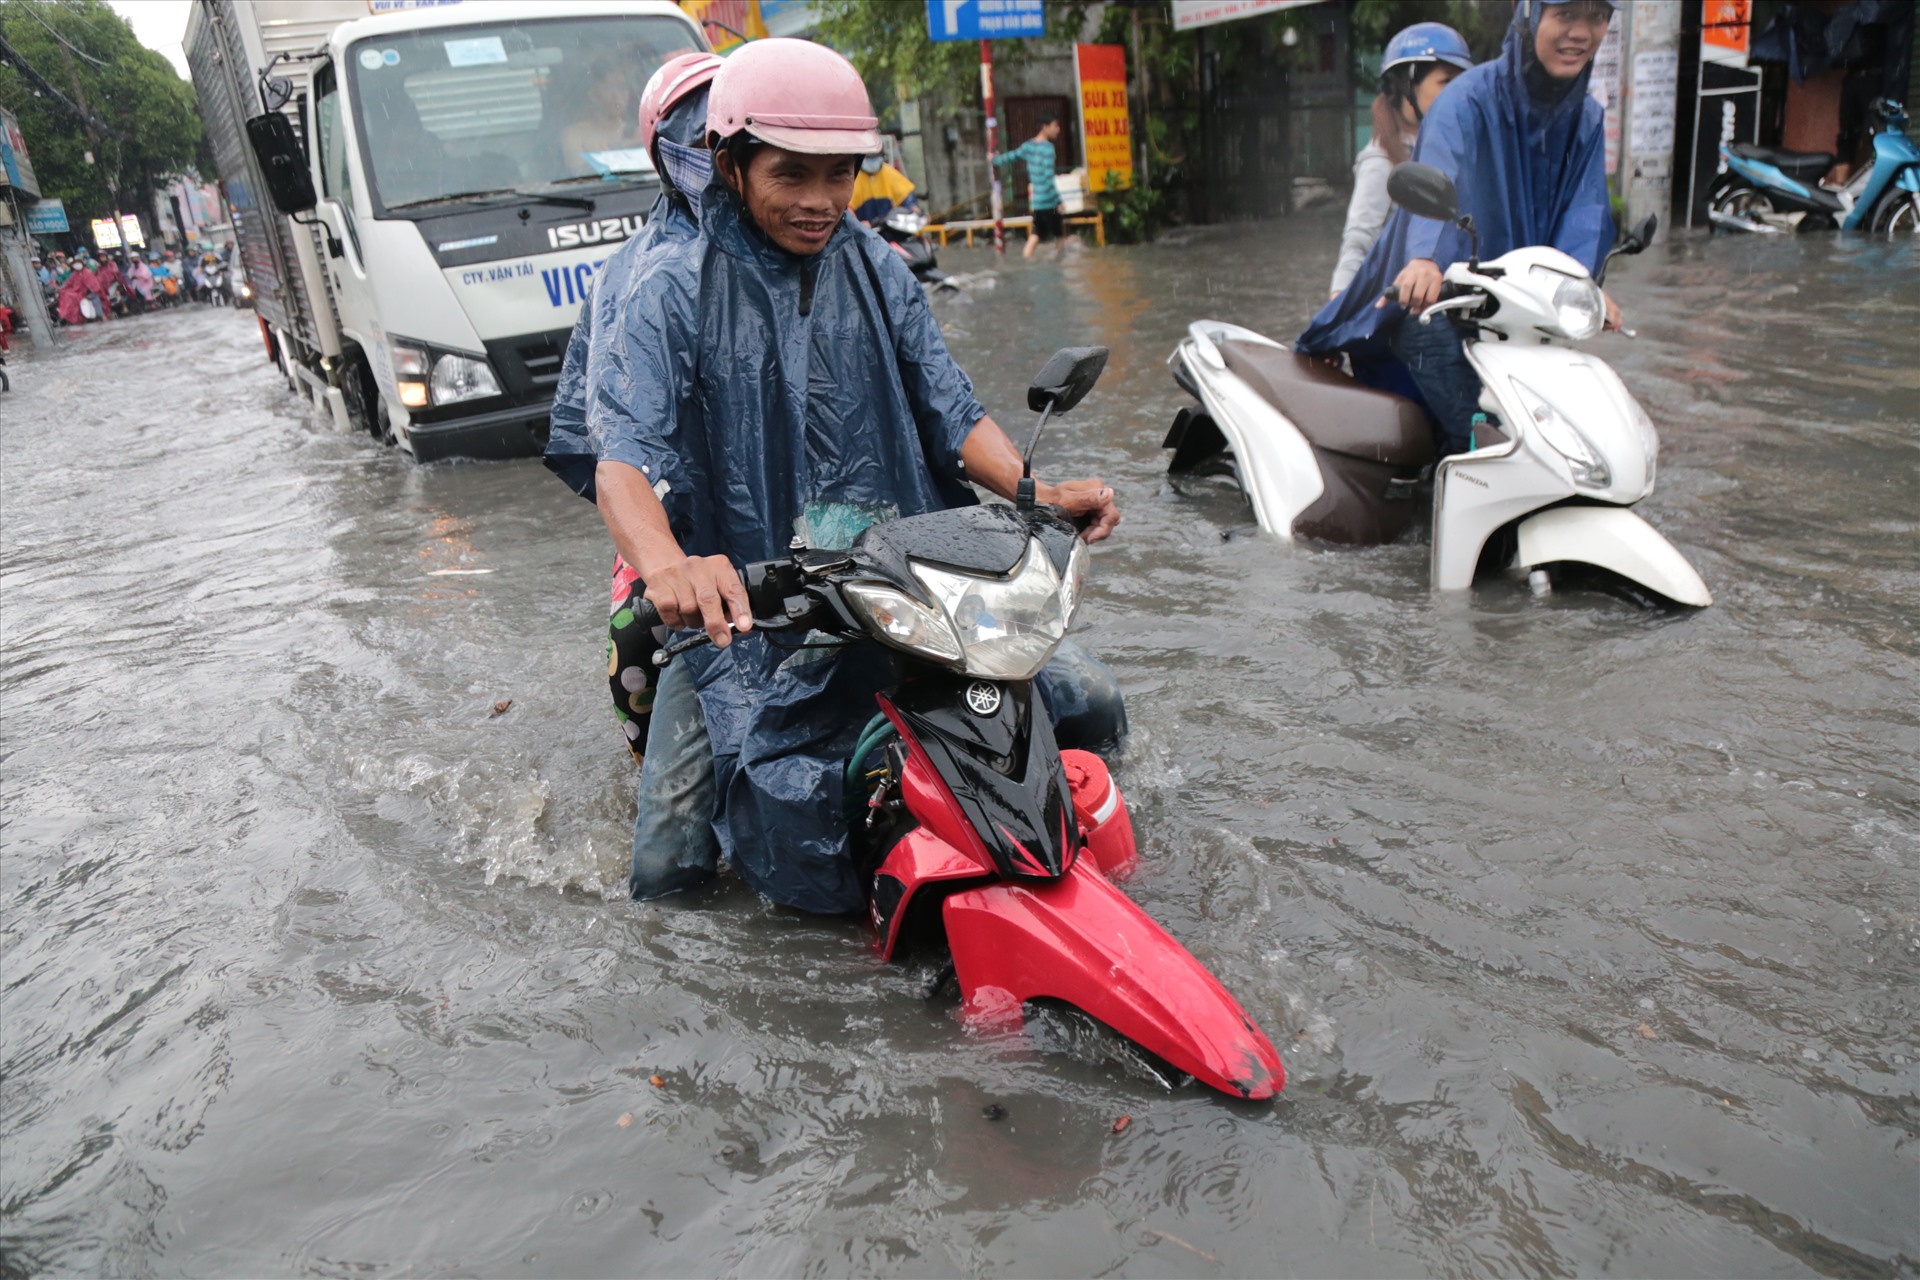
x=1650 y=67
x=113 y=170
x=993 y=147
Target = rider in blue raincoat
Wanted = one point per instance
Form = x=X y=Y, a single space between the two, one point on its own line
x=779 y=377
x=1525 y=146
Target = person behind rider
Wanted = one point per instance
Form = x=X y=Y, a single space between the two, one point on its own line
x=1418 y=63
x=673 y=127
x=781 y=377
x=879 y=189
x=1525 y=146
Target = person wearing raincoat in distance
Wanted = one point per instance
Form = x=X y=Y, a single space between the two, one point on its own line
x=1418 y=63
x=778 y=377
x=673 y=128
x=1526 y=148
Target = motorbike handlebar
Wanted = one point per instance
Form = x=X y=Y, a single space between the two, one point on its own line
x=1448 y=291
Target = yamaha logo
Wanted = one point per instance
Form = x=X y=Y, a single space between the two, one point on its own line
x=983 y=698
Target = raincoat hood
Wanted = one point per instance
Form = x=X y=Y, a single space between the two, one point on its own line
x=1527 y=155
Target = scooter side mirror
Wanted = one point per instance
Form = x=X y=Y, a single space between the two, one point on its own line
x=1423 y=190
x=1066 y=378
x=1641 y=237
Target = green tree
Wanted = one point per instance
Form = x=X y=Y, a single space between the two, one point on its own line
x=79 y=81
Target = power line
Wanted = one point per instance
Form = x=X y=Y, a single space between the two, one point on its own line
x=33 y=13
x=10 y=55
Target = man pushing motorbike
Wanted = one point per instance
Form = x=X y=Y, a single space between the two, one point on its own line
x=776 y=377
x=1525 y=147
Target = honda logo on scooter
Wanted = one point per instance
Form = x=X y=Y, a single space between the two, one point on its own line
x=604 y=231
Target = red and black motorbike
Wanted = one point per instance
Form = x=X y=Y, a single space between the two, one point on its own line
x=981 y=838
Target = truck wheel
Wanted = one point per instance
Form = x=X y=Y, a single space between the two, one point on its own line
x=363 y=398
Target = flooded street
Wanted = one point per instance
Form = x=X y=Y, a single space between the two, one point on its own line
x=1591 y=934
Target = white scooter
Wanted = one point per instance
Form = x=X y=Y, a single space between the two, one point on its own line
x=1563 y=451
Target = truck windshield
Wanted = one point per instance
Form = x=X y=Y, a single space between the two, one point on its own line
x=501 y=107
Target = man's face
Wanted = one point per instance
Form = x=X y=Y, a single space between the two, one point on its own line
x=795 y=199
x=1570 y=35
x=1050 y=131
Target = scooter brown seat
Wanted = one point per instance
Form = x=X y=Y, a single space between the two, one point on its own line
x=1332 y=410
x=1795 y=164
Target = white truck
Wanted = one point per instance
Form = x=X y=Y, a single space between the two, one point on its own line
x=423 y=191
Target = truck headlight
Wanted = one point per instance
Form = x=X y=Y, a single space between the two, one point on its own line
x=411 y=367
x=457 y=378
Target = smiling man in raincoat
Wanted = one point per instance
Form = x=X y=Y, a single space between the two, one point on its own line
x=781 y=376
x=1526 y=148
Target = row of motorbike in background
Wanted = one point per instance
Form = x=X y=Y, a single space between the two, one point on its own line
x=213 y=285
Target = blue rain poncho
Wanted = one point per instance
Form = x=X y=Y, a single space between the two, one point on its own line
x=674 y=216
x=765 y=396
x=1528 y=156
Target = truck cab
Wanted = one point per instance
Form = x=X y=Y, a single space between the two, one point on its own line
x=473 y=166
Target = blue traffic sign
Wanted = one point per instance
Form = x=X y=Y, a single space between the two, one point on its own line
x=985 y=19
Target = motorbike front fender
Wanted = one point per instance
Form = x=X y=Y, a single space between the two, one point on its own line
x=1613 y=538
x=1081 y=941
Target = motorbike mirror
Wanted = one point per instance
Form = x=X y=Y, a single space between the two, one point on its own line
x=282 y=163
x=1423 y=190
x=1642 y=236
x=1065 y=379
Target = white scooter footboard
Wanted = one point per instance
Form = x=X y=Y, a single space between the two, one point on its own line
x=1613 y=538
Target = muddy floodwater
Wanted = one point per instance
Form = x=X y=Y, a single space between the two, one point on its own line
x=1589 y=932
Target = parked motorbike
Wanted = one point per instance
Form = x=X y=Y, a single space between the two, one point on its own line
x=1562 y=452
x=905 y=229
x=1767 y=189
x=979 y=838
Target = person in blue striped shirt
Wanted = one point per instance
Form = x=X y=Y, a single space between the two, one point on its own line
x=1037 y=151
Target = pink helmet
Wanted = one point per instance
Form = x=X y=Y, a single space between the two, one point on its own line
x=794 y=94
x=677 y=77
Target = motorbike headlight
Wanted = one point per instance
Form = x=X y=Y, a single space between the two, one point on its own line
x=1075 y=582
x=411 y=366
x=902 y=621
x=1589 y=471
x=1008 y=627
x=457 y=378
x=1577 y=304
x=908 y=221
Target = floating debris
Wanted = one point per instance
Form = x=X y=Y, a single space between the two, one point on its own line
x=1120 y=1125
x=626 y=1118
x=994 y=1111
x=656 y=1082
x=500 y=707
x=456 y=573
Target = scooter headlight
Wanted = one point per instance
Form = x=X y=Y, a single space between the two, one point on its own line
x=1008 y=627
x=1583 y=460
x=1578 y=306
x=902 y=621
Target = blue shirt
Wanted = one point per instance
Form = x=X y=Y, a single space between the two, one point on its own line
x=1038 y=153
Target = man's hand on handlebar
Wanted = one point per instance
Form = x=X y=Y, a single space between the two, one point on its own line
x=1613 y=312
x=699 y=591
x=1088 y=503
x=1418 y=285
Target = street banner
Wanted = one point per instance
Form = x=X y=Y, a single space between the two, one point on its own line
x=1106 y=131
x=1188 y=14
x=985 y=19
x=130 y=231
x=1726 y=27
x=716 y=16
x=48 y=218
x=105 y=234
x=16 y=170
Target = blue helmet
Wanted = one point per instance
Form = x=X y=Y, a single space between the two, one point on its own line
x=1426 y=42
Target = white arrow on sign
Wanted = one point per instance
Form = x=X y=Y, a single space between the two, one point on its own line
x=953 y=15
